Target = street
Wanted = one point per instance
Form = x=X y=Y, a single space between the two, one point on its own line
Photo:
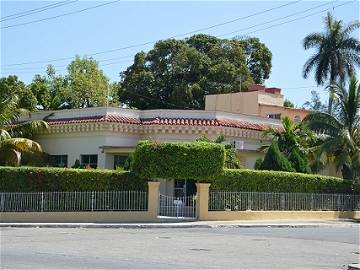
x=216 y=248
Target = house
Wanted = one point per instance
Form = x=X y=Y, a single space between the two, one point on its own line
x=103 y=137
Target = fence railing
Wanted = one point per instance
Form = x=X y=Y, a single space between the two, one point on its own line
x=74 y=201
x=258 y=201
x=179 y=207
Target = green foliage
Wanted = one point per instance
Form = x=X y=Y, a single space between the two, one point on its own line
x=275 y=160
x=339 y=135
x=337 y=53
x=299 y=162
x=196 y=160
x=258 y=163
x=271 y=181
x=288 y=103
x=49 y=90
x=231 y=159
x=258 y=58
x=27 y=179
x=14 y=136
x=76 y=164
x=87 y=84
x=177 y=74
x=11 y=86
x=315 y=104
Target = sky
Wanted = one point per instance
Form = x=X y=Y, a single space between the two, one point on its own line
x=121 y=24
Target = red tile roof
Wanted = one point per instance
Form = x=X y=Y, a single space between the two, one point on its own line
x=160 y=121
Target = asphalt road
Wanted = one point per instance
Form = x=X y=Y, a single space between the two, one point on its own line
x=193 y=248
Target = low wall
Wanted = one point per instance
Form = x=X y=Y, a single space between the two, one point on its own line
x=75 y=217
x=276 y=215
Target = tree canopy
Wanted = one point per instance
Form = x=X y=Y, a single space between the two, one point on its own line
x=87 y=84
x=177 y=74
x=337 y=53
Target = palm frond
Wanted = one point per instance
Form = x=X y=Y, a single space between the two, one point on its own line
x=20 y=144
x=28 y=129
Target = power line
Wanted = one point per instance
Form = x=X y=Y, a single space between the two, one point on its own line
x=151 y=42
x=26 y=11
x=37 y=70
x=61 y=66
x=274 y=20
x=237 y=19
x=37 y=10
x=300 y=18
x=61 y=15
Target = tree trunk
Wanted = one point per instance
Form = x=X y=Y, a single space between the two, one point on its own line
x=331 y=96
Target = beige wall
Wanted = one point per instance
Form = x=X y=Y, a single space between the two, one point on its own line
x=252 y=103
x=242 y=102
x=204 y=213
x=73 y=217
x=265 y=110
x=150 y=215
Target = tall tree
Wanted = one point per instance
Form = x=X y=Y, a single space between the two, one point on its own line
x=339 y=135
x=179 y=73
x=258 y=58
x=87 y=84
x=49 y=90
x=337 y=53
x=11 y=85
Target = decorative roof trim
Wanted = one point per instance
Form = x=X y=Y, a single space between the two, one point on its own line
x=112 y=118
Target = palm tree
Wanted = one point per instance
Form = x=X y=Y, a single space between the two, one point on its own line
x=337 y=52
x=339 y=135
x=291 y=136
x=14 y=137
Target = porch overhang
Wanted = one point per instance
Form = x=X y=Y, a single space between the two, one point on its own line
x=108 y=149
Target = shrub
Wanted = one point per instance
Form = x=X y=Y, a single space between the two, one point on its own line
x=195 y=160
x=275 y=160
x=299 y=162
x=26 y=179
x=258 y=163
x=273 y=181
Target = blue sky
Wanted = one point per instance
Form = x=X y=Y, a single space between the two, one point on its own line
x=126 y=23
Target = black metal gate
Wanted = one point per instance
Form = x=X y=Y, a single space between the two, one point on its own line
x=177 y=207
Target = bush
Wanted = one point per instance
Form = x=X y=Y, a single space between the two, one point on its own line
x=272 y=181
x=299 y=162
x=195 y=160
x=26 y=179
x=275 y=160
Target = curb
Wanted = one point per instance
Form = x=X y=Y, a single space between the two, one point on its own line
x=169 y=226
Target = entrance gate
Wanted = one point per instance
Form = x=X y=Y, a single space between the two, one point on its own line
x=177 y=207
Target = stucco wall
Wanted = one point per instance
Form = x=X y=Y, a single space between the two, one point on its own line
x=76 y=144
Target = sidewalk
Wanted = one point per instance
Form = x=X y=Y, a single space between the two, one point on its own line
x=195 y=224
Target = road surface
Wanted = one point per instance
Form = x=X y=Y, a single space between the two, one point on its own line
x=191 y=248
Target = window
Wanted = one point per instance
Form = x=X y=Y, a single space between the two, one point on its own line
x=59 y=160
x=89 y=160
x=119 y=160
x=274 y=115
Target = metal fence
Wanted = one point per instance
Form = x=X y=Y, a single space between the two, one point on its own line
x=74 y=201
x=178 y=207
x=257 y=201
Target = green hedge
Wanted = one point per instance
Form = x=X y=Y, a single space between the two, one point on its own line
x=274 y=181
x=195 y=160
x=26 y=179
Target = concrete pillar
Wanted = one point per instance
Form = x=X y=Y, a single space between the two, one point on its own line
x=202 y=200
x=153 y=199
